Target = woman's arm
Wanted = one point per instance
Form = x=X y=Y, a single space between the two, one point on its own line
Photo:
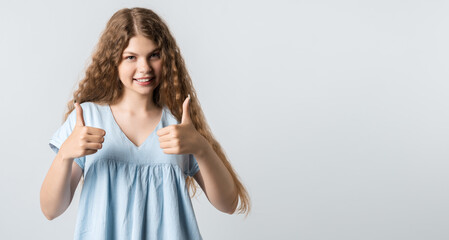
x=215 y=180
x=213 y=177
x=59 y=186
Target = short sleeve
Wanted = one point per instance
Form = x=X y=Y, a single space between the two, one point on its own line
x=193 y=165
x=62 y=133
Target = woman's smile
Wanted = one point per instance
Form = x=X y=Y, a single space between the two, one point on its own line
x=144 y=81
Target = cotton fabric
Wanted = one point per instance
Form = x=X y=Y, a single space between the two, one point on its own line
x=129 y=191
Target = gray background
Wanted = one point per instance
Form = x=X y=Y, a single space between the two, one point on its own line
x=333 y=113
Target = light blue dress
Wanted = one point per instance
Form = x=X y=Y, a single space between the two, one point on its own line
x=131 y=192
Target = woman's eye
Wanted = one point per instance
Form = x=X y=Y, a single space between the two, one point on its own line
x=155 y=55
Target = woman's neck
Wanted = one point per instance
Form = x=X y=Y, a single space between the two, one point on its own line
x=136 y=105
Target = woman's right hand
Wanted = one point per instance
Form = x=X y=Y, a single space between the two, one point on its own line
x=83 y=140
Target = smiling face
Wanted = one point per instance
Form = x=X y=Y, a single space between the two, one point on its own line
x=140 y=60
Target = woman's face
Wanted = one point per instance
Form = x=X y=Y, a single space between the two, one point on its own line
x=140 y=60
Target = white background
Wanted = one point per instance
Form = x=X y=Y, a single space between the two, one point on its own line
x=333 y=113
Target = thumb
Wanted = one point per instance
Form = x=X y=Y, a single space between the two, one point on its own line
x=79 y=115
x=186 y=111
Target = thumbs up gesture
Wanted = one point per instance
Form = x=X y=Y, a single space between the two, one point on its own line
x=181 y=138
x=83 y=140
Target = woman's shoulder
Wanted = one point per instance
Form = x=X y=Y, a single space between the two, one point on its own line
x=170 y=119
x=89 y=103
x=93 y=105
x=93 y=108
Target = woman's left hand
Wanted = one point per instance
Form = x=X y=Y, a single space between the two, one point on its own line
x=181 y=138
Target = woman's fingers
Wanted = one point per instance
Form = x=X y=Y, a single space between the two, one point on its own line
x=93 y=146
x=95 y=131
x=165 y=138
x=169 y=144
x=94 y=138
x=89 y=151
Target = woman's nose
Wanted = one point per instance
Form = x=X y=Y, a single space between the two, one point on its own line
x=144 y=66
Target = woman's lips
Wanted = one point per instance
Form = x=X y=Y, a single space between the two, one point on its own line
x=150 y=78
x=144 y=78
x=144 y=83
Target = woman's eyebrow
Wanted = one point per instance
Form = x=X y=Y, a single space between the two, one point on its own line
x=129 y=52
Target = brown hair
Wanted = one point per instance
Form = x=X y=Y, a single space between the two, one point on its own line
x=101 y=85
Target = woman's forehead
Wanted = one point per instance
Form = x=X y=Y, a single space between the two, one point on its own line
x=140 y=45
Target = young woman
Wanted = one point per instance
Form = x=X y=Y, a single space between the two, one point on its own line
x=138 y=137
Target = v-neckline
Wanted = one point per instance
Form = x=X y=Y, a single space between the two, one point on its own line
x=126 y=137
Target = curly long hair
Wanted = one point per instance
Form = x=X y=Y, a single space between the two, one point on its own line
x=101 y=85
